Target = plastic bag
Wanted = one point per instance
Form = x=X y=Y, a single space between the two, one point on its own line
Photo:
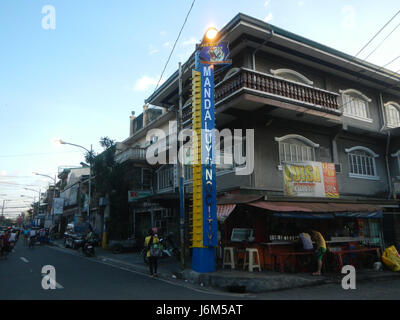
x=155 y=250
x=391 y=258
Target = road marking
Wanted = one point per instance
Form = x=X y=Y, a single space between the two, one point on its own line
x=206 y=291
x=24 y=259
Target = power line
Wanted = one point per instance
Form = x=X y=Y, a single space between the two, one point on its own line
x=35 y=154
x=382 y=42
x=377 y=34
x=176 y=41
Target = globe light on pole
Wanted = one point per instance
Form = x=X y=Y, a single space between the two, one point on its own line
x=211 y=33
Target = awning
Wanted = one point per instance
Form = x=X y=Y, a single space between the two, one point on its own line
x=314 y=210
x=224 y=210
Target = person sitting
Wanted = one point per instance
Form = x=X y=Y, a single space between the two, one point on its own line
x=306 y=241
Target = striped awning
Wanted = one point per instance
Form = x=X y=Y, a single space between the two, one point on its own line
x=224 y=210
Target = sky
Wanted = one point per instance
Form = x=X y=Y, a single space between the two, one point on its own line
x=76 y=70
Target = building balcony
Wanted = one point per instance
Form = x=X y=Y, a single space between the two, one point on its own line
x=131 y=154
x=287 y=98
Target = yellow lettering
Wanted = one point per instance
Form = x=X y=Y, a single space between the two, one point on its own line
x=309 y=174
x=317 y=177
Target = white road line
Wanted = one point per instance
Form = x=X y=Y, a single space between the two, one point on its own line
x=24 y=259
x=205 y=291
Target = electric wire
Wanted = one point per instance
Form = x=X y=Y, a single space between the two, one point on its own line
x=173 y=48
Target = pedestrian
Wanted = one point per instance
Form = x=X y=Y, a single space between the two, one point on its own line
x=320 y=250
x=32 y=237
x=26 y=236
x=152 y=243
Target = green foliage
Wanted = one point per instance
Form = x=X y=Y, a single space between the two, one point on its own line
x=110 y=179
x=106 y=142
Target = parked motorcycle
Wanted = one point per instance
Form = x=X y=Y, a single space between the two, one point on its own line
x=88 y=248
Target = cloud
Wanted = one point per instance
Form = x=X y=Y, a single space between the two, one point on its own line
x=348 y=20
x=153 y=50
x=145 y=82
x=167 y=44
x=300 y=3
x=266 y=3
x=191 y=42
x=268 y=18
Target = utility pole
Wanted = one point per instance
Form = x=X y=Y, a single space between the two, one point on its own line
x=181 y=172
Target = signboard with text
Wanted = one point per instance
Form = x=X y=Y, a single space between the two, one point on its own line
x=310 y=179
x=215 y=54
x=134 y=196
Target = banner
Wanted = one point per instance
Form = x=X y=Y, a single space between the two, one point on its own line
x=310 y=179
x=134 y=196
x=58 y=205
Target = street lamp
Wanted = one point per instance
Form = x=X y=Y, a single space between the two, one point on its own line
x=59 y=141
x=54 y=192
x=38 y=199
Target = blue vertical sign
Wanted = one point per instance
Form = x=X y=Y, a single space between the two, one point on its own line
x=208 y=157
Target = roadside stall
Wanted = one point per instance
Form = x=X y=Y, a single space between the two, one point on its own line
x=352 y=233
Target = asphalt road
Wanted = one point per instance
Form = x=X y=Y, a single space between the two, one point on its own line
x=79 y=278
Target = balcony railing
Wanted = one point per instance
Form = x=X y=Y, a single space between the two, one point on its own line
x=273 y=86
x=131 y=154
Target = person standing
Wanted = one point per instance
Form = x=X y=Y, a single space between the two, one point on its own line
x=149 y=243
x=320 y=251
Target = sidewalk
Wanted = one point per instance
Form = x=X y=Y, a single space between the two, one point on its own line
x=232 y=280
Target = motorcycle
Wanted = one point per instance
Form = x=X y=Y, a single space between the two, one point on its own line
x=88 y=248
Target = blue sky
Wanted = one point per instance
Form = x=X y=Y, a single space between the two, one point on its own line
x=81 y=81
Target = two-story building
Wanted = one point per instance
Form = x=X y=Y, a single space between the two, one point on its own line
x=306 y=102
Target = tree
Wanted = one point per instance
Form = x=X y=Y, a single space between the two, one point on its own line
x=106 y=142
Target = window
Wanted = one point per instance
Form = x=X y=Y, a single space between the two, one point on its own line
x=355 y=105
x=392 y=114
x=296 y=148
x=397 y=156
x=362 y=163
x=165 y=177
x=226 y=160
x=292 y=76
x=146 y=179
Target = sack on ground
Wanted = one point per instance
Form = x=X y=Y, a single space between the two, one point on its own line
x=391 y=258
x=155 y=250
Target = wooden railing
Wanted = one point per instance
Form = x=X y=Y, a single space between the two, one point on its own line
x=269 y=84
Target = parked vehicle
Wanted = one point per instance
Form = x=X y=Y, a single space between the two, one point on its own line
x=88 y=248
x=119 y=246
x=75 y=234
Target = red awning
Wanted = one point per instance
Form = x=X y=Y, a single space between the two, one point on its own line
x=314 y=207
x=224 y=210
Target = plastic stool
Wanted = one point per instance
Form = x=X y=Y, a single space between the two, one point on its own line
x=229 y=257
x=251 y=263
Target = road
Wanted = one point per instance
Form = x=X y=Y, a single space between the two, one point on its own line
x=79 y=277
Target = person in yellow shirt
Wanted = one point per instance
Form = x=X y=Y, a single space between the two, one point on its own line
x=320 y=251
x=151 y=239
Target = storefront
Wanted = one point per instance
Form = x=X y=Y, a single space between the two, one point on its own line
x=274 y=227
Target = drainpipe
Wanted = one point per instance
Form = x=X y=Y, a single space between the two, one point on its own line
x=258 y=48
x=387 y=144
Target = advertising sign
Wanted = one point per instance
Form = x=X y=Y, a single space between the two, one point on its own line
x=58 y=205
x=134 y=196
x=310 y=179
x=215 y=54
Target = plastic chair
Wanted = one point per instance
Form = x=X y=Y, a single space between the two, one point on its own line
x=229 y=258
x=251 y=263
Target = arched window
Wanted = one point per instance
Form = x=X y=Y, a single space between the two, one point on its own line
x=362 y=163
x=296 y=148
x=355 y=104
x=292 y=76
x=392 y=114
